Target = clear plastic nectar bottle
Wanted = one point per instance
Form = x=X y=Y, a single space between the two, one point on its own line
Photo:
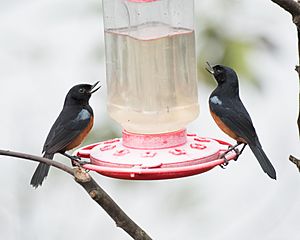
x=151 y=64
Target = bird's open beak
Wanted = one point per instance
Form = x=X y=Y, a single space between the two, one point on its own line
x=93 y=89
x=209 y=68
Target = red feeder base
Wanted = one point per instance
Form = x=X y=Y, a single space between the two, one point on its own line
x=155 y=156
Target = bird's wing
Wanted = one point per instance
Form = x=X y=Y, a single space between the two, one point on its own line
x=235 y=116
x=66 y=128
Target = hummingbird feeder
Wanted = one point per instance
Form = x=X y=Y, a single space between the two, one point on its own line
x=152 y=94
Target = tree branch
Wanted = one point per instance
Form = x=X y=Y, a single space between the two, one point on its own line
x=94 y=190
x=293 y=7
x=298 y=71
x=37 y=159
x=290 y=6
x=105 y=201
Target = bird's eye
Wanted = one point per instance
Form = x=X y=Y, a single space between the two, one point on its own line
x=81 y=90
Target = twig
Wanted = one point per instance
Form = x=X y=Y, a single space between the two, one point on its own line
x=295 y=161
x=94 y=190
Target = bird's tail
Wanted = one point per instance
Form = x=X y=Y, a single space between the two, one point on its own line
x=263 y=159
x=41 y=172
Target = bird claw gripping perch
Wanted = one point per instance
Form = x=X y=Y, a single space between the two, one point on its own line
x=223 y=155
x=77 y=162
x=223 y=165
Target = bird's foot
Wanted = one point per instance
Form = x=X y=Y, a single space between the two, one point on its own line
x=223 y=165
x=237 y=152
x=223 y=155
x=77 y=162
x=232 y=148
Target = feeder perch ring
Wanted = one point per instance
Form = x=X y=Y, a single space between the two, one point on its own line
x=158 y=157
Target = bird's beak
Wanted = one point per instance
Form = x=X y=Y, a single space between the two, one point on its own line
x=209 y=68
x=93 y=86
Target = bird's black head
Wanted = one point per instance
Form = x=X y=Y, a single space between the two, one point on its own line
x=81 y=93
x=225 y=77
x=223 y=74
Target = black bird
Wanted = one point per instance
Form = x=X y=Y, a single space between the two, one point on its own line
x=232 y=117
x=70 y=128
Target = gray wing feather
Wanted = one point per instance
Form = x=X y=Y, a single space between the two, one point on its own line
x=65 y=129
